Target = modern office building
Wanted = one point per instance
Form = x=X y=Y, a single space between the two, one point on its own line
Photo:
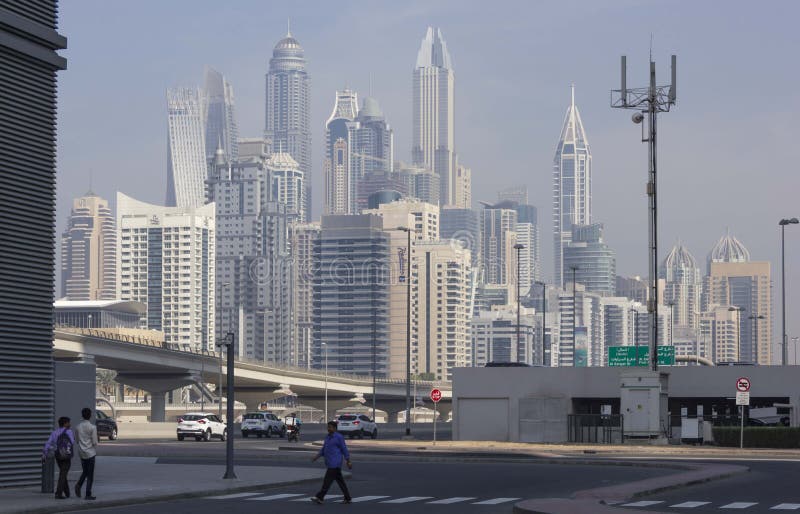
x=720 y=333
x=593 y=262
x=528 y=236
x=371 y=149
x=302 y=238
x=494 y=336
x=88 y=251
x=462 y=196
x=727 y=249
x=463 y=225
x=433 y=119
x=338 y=162
x=396 y=214
x=351 y=297
x=99 y=314
x=287 y=184
x=186 y=148
x=288 y=108
x=444 y=308
x=221 y=128
x=29 y=62
x=165 y=259
x=517 y=194
x=572 y=186
x=682 y=286
x=498 y=237
x=253 y=262
x=419 y=183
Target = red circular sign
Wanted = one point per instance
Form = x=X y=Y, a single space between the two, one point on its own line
x=436 y=395
x=743 y=384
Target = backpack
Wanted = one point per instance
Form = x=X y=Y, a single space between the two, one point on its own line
x=63 y=447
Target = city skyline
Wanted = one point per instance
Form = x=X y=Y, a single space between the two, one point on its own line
x=497 y=161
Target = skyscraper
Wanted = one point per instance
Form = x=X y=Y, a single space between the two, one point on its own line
x=463 y=225
x=433 y=116
x=186 y=148
x=372 y=148
x=462 y=197
x=572 y=186
x=498 y=237
x=29 y=62
x=303 y=237
x=165 y=259
x=88 y=251
x=288 y=108
x=339 y=183
x=682 y=286
x=594 y=262
x=287 y=184
x=221 y=128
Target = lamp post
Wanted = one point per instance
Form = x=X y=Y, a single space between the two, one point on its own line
x=782 y=223
x=229 y=342
x=374 y=347
x=544 y=317
x=219 y=383
x=325 y=351
x=408 y=231
x=518 y=247
x=754 y=318
x=738 y=311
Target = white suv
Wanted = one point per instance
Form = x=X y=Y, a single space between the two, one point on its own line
x=263 y=424
x=202 y=426
x=357 y=425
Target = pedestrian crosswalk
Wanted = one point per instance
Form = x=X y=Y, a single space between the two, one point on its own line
x=707 y=504
x=337 y=498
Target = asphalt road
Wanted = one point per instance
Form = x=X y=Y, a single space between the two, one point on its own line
x=770 y=486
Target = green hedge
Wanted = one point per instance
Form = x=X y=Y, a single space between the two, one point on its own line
x=759 y=437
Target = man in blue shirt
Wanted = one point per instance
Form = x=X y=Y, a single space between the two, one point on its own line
x=335 y=451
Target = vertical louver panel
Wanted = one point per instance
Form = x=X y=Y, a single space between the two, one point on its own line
x=27 y=246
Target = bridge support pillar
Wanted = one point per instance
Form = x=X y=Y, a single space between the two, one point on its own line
x=158 y=407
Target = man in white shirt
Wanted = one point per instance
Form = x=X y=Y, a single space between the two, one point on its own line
x=86 y=435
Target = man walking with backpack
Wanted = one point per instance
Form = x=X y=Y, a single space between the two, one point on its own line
x=61 y=443
x=87 y=450
x=335 y=451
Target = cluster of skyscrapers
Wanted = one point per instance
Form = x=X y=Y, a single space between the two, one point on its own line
x=398 y=253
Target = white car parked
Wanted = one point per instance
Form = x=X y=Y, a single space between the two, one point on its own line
x=202 y=426
x=264 y=424
x=357 y=425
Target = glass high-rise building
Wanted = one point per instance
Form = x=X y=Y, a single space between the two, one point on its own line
x=594 y=263
x=221 y=129
x=572 y=186
x=339 y=184
x=372 y=149
x=288 y=108
x=186 y=148
x=433 y=117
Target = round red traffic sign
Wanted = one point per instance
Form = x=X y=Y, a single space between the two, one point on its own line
x=743 y=384
x=436 y=395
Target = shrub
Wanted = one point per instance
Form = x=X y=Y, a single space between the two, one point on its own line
x=759 y=437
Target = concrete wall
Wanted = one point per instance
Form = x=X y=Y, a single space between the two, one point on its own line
x=74 y=389
x=532 y=404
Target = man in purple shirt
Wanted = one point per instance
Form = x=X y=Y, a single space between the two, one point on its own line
x=335 y=451
x=61 y=448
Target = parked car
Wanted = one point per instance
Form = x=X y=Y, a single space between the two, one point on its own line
x=202 y=426
x=357 y=425
x=262 y=424
x=106 y=426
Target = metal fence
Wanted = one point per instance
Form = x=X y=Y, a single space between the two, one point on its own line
x=595 y=428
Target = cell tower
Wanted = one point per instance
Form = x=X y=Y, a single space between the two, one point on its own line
x=649 y=101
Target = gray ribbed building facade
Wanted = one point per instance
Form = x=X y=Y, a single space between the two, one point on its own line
x=28 y=65
x=594 y=262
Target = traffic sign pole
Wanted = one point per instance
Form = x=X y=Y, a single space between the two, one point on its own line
x=435 y=395
x=742 y=398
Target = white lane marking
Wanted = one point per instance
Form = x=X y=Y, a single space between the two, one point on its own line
x=360 y=499
x=328 y=497
x=644 y=503
x=496 y=501
x=786 y=506
x=232 y=496
x=455 y=499
x=738 y=505
x=408 y=499
x=689 y=505
x=275 y=497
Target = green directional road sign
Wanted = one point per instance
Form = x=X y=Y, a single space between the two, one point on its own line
x=626 y=355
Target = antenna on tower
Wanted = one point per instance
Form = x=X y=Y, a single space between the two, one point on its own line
x=288 y=27
x=370 y=84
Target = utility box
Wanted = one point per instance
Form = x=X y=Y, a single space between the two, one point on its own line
x=643 y=404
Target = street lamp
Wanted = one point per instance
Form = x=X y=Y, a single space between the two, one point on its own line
x=229 y=343
x=738 y=311
x=782 y=223
x=408 y=330
x=219 y=392
x=754 y=318
x=544 y=316
x=518 y=247
x=325 y=351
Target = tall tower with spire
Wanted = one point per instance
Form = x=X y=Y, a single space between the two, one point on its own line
x=338 y=180
x=434 y=113
x=288 y=108
x=572 y=185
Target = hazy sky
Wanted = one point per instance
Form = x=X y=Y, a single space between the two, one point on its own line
x=726 y=157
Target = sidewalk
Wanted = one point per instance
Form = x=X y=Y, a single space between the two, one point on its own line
x=133 y=480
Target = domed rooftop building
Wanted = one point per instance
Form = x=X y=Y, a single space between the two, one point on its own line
x=727 y=249
x=682 y=285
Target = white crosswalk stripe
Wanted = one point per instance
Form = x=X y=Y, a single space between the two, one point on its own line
x=689 y=505
x=408 y=499
x=327 y=498
x=496 y=501
x=738 y=505
x=233 y=496
x=786 y=506
x=360 y=499
x=643 y=503
x=455 y=499
x=275 y=497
